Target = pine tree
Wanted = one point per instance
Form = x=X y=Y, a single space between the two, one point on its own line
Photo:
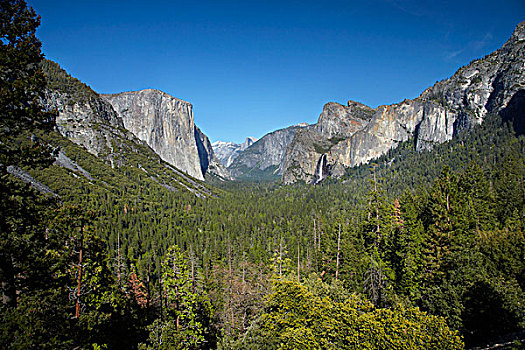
x=22 y=85
x=31 y=272
x=187 y=321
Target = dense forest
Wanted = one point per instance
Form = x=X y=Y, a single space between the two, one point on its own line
x=416 y=250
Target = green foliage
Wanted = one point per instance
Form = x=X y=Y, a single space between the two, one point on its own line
x=59 y=80
x=32 y=304
x=21 y=85
x=297 y=318
x=420 y=250
x=186 y=323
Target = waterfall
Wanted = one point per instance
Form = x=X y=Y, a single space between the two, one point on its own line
x=319 y=171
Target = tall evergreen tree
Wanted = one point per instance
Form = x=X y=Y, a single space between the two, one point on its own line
x=21 y=119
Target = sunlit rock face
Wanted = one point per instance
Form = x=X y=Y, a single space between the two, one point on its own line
x=226 y=152
x=166 y=124
x=355 y=134
x=90 y=122
x=265 y=155
x=337 y=120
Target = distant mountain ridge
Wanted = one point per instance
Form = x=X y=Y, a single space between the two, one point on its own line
x=343 y=137
x=264 y=159
x=228 y=151
x=346 y=136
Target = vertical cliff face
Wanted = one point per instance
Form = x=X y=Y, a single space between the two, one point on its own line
x=164 y=122
x=337 y=120
x=210 y=163
x=104 y=123
x=356 y=134
x=265 y=157
x=428 y=122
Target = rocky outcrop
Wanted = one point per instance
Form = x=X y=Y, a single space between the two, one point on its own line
x=90 y=122
x=87 y=122
x=265 y=157
x=164 y=122
x=66 y=162
x=228 y=151
x=210 y=163
x=337 y=120
x=302 y=155
x=428 y=122
x=28 y=179
x=485 y=85
x=84 y=117
x=356 y=134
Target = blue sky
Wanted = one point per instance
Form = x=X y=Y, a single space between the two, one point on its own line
x=251 y=67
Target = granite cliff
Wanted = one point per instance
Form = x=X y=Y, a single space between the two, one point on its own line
x=228 y=151
x=346 y=136
x=84 y=117
x=105 y=124
x=166 y=124
x=264 y=158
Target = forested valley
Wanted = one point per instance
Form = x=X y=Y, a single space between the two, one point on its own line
x=415 y=250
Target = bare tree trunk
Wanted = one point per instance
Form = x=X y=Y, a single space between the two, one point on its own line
x=232 y=316
x=7 y=280
x=315 y=236
x=298 y=269
x=378 y=233
x=308 y=262
x=230 y=258
x=148 y=287
x=280 y=256
x=319 y=239
x=192 y=257
x=77 y=308
x=338 y=249
x=118 y=259
x=161 y=297
x=243 y=269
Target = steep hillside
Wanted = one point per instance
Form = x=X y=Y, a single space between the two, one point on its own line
x=83 y=116
x=90 y=122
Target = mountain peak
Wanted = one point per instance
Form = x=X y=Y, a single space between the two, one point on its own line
x=355 y=134
x=148 y=92
x=519 y=32
x=518 y=36
x=250 y=140
x=222 y=143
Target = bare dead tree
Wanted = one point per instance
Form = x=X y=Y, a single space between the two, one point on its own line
x=338 y=250
x=79 y=277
